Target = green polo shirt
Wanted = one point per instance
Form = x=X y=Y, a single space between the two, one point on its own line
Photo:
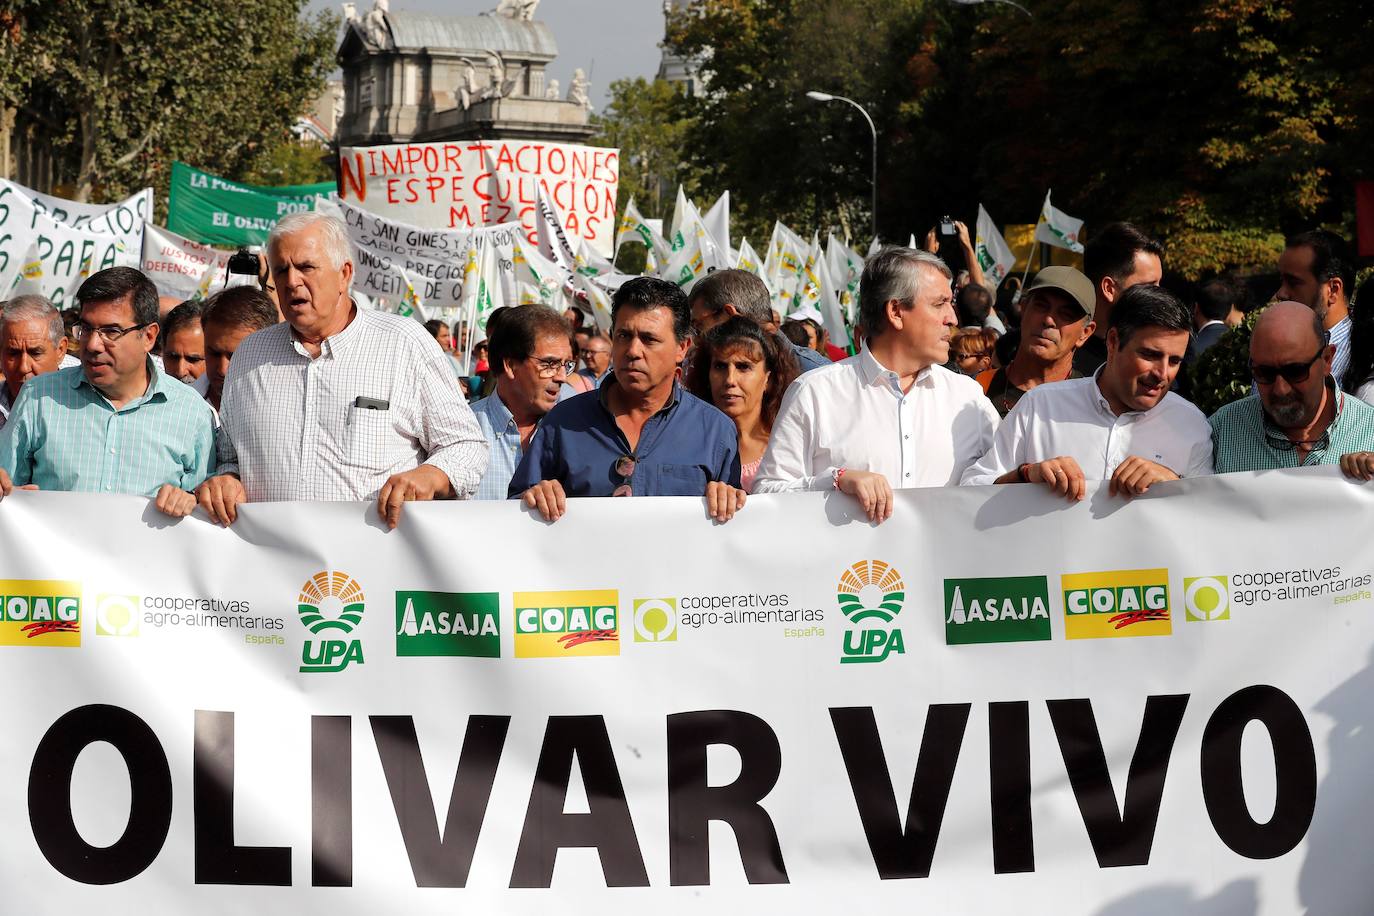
x=64 y=435
x=1243 y=439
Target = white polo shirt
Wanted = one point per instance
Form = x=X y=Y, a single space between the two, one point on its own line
x=854 y=415
x=1073 y=418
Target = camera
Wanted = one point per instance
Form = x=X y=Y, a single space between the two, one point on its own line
x=243 y=261
x=947 y=226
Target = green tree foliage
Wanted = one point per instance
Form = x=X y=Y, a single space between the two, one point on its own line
x=782 y=155
x=126 y=86
x=284 y=160
x=648 y=122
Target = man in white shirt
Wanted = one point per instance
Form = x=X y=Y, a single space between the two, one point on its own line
x=1122 y=424
x=337 y=402
x=892 y=416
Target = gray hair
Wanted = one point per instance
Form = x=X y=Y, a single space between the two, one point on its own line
x=892 y=273
x=35 y=308
x=333 y=234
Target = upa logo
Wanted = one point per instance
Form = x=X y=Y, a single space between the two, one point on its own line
x=40 y=612
x=1008 y=609
x=1207 y=598
x=448 y=623
x=1131 y=602
x=655 y=620
x=567 y=624
x=870 y=594
x=330 y=601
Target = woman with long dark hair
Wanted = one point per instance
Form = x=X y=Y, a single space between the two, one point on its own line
x=743 y=370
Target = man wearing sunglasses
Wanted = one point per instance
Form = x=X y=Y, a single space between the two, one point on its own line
x=1297 y=415
x=640 y=433
x=1122 y=424
x=530 y=360
x=116 y=424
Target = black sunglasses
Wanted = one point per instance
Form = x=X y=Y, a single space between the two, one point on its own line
x=1293 y=373
x=624 y=468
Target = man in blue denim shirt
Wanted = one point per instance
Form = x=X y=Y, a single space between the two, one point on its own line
x=639 y=434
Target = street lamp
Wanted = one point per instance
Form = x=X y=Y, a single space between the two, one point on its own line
x=827 y=97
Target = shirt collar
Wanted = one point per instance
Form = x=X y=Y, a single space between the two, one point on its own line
x=1106 y=406
x=335 y=345
x=872 y=372
x=157 y=383
x=499 y=412
x=605 y=388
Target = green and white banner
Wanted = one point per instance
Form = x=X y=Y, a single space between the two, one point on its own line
x=213 y=210
x=995 y=702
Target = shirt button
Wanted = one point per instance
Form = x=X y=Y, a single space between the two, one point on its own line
x=906 y=437
x=908 y=473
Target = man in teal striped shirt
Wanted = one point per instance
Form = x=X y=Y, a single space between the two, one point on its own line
x=116 y=424
x=1298 y=416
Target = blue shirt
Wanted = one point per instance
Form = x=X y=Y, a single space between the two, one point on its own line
x=807 y=358
x=684 y=446
x=64 y=435
x=503 y=435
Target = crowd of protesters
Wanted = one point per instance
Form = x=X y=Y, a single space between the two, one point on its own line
x=290 y=391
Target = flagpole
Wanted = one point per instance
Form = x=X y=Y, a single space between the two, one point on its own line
x=1030 y=257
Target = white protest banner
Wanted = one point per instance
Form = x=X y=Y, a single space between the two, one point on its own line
x=396 y=262
x=62 y=256
x=995 y=702
x=124 y=219
x=180 y=267
x=468 y=184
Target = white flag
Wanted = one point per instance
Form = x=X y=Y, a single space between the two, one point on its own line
x=548 y=229
x=993 y=253
x=717 y=222
x=846 y=267
x=634 y=227
x=1058 y=228
x=832 y=306
x=681 y=207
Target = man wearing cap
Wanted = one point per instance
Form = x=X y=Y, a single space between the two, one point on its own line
x=1122 y=424
x=1056 y=319
x=1297 y=416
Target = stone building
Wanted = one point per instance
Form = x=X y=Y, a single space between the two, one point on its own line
x=420 y=76
x=683 y=72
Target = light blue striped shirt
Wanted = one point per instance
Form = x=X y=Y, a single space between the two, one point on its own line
x=64 y=435
x=499 y=429
x=1339 y=335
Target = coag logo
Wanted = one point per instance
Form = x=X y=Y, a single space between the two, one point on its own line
x=448 y=623
x=655 y=620
x=1121 y=603
x=1008 y=609
x=1207 y=598
x=566 y=624
x=40 y=612
x=117 y=615
x=870 y=594
x=330 y=601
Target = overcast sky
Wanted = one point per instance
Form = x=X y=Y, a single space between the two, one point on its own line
x=609 y=38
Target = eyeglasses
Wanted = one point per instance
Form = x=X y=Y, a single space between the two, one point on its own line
x=108 y=333
x=624 y=468
x=548 y=368
x=585 y=352
x=1293 y=373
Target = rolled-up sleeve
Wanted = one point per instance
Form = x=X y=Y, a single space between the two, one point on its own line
x=787 y=464
x=449 y=434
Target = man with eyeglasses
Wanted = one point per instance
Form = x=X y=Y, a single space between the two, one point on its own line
x=530 y=358
x=640 y=433
x=1297 y=416
x=338 y=403
x=1122 y=424
x=116 y=424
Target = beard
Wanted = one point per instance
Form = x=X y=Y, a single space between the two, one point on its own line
x=1288 y=413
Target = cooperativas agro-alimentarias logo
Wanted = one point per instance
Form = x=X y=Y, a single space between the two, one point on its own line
x=330 y=601
x=870 y=594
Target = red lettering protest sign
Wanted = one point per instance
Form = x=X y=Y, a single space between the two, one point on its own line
x=465 y=184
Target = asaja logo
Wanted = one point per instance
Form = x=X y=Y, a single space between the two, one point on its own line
x=1122 y=603
x=1207 y=598
x=567 y=624
x=117 y=615
x=330 y=601
x=40 y=612
x=448 y=623
x=655 y=620
x=870 y=594
x=1008 y=609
